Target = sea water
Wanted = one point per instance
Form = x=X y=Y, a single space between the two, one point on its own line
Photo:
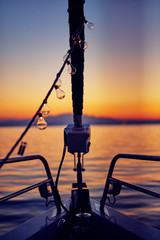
x=106 y=142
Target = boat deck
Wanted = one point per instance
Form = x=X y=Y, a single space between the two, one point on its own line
x=111 y=225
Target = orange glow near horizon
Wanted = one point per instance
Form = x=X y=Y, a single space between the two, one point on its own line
x=101 y=98
x=121 y=76
x=96 y=109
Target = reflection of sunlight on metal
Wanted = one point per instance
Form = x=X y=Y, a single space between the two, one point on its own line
x=48 y=219
x=97 y=207
x=53 y=214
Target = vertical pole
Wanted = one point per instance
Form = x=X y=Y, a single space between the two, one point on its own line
x=76 y=19
x=79 y=180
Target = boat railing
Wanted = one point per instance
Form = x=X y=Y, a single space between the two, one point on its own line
x=49 y=179
x=116 y=183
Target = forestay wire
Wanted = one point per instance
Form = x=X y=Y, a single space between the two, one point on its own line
x=76 y=39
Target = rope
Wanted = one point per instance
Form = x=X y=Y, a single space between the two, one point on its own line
x=60 y=166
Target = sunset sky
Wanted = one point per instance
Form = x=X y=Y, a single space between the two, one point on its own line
x=122 y=61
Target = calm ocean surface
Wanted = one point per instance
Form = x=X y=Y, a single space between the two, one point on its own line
x=106 y=141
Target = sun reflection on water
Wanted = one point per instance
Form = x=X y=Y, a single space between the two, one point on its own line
x=106 y=142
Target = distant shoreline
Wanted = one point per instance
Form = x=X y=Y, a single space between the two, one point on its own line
x=64 y=119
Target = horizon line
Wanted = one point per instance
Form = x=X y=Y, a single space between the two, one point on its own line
x=86 y=115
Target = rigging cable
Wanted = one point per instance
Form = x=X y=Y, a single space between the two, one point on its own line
x=76 y=39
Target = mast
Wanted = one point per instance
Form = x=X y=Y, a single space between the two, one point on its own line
x=76 y=19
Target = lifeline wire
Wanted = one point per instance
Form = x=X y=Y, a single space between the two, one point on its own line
x=77 y=34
